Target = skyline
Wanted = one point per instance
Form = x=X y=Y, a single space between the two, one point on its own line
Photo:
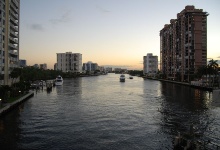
x=110 y=33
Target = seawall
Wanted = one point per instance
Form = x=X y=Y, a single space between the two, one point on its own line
x=12 y=105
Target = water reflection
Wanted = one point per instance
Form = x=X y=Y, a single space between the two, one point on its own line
x=183 y=106
x=103 y=113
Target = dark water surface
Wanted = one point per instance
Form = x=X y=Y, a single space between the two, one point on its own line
x=102 y=113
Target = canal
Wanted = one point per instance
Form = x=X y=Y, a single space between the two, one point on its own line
x=100 y=112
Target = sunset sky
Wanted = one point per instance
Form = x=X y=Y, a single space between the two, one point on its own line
x=114 y=33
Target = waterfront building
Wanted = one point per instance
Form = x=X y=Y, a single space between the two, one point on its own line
x=150 y=65
x=183 y=44
x=9 y=38
x=108 y=69
x=90 y=67
x=23 y=63
x=69 y=62
x=43 y=66
x=120 y=70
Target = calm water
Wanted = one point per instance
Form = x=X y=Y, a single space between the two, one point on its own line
x=102 y=113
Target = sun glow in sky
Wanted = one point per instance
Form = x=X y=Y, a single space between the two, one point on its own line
x=108 y=32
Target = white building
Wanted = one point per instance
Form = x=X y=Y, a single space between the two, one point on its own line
x=9 y=38
x=150 y=64
x=69 y=62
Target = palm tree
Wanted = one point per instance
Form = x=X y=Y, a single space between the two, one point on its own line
x=212 y=68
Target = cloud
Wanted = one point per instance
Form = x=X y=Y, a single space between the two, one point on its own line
x=65 y=17
x=101 y=9
x=218 y=57
x=37 y=27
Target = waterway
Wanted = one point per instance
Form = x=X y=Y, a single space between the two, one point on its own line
x=94 y=113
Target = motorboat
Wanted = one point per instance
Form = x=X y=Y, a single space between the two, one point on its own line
x=122 y=78
x=59 y=80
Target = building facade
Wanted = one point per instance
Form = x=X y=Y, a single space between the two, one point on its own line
x=150 y=64
x=9 y=38
x=90 y=66
x=69 y=62
x=183 y=44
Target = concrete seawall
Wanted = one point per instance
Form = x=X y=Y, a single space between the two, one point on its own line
x=10 y=106
x=210 y=89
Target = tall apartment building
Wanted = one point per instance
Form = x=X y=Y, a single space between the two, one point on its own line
x=183 y=44
x=9 y=38
x=69 y=62
x=150 y=64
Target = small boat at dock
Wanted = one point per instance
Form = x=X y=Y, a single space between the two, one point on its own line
x=59 y=80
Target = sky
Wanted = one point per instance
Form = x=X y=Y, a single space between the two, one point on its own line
x=115 y=33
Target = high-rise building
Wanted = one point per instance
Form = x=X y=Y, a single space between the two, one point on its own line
x=9 y=38
x=69 y=62
x=150 y=65
x=183 y=44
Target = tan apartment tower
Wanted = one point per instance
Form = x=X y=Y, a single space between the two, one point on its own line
x=183 y=44
x=9 y=38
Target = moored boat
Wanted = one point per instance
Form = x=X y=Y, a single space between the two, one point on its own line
x=59 y=80
x=122 y=78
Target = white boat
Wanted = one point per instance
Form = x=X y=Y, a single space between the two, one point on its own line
x=59 y=80
x=122 y=78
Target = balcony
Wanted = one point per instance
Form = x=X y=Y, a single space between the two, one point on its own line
x=13 y=34
x=13 y=47
x=13 y=40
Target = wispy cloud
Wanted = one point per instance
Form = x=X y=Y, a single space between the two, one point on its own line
x=37 y=27
x=64 y=18
x=101 y=9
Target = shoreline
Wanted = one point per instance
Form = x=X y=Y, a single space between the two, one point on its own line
x=210 y=89
x=9 y=106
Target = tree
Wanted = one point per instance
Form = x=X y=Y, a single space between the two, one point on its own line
x=16 y=73
x=212 y=69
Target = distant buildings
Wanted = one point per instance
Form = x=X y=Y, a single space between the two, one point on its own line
x=43 y=66
x=36 y=66
x=90 y=66
x=23 y=63
x=69 y=62
x=150 y=65
x=108 y=69
x=9 y=38
x=120 y=70
x=183 y=44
